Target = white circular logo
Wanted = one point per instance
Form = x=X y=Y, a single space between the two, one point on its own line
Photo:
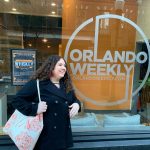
x=135 y=57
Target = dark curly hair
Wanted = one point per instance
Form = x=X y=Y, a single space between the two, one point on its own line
x=45 y=71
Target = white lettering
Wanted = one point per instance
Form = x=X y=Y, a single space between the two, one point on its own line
x=128 y=69
x=87 y=55
x=91 y=68
x=110 y=69
x=108 y=57
x=119 y=56
x=130 y=57
x=139 y=58
x=101 y=69
x=78 y=68
x=72 y=53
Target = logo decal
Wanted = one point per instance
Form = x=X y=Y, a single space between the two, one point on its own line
x=91 y=56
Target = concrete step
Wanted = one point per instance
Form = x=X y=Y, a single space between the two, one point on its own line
x=100 y=140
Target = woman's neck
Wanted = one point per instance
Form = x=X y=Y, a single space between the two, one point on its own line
x=54 y=80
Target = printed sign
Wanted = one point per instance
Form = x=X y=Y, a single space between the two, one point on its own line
x=23 y=65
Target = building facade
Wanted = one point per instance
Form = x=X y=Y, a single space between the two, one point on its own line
x=106 y=46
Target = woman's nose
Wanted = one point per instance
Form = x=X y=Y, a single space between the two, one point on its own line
x=63 y=67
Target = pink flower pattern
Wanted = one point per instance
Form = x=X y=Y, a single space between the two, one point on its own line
x=24 y=141
x=14 y=116
x=11 y=120
x=33 y=124
x=8 y=125
x=23 y=138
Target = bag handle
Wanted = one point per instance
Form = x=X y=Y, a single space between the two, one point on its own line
x=37 y=81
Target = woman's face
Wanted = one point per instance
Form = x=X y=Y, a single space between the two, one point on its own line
x=60 y=69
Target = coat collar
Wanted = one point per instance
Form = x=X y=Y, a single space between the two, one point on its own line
x=54 y=90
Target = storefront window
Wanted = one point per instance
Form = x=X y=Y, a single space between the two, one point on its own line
x=106 y=46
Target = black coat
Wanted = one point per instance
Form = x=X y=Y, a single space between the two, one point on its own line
x=56 y=133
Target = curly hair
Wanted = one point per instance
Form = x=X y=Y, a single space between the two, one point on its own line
x=45 y=72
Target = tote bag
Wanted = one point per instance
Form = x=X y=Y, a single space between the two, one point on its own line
x=24 y=130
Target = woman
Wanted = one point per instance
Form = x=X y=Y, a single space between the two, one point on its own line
x=59 y=103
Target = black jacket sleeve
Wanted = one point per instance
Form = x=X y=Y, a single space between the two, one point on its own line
x=75 y=100
x=25 y=100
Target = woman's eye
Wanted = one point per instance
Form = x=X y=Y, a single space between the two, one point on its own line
x=62 y=65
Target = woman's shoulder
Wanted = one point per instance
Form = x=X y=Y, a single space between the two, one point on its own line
x=34 y=81
x=31 y=82
x=44 y=82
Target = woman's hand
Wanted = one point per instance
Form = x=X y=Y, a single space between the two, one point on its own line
x=74 y=108
x=42 y=107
